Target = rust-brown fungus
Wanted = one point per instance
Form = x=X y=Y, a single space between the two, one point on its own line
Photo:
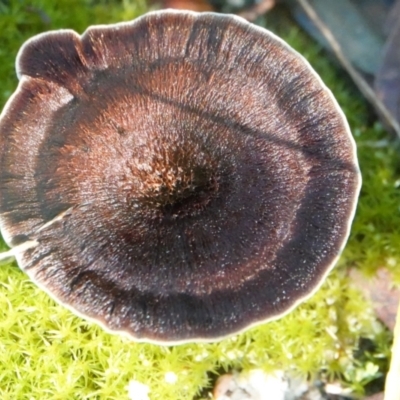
x=176 y=178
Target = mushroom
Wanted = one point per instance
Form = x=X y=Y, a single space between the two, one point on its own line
x=180 y=177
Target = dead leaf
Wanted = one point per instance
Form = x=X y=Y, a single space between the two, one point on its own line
x=387 y=82
x=360 y=44
x=380 y=291
x=192 y=5
x=257 y=10
x=360 y=79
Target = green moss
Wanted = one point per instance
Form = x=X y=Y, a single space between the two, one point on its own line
x=48 y=353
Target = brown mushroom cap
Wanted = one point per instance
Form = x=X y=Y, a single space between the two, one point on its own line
x=185 y=175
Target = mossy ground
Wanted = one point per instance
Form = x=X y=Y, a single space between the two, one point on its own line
x=48 y=353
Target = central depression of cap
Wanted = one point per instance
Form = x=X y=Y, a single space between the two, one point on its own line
x=185 y=175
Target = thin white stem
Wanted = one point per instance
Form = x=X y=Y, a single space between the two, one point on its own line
x=29 y=244
x=18 y=249
x=59 y=217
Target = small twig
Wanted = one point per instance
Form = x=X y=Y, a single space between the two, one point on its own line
x=29 y=244
x=392 y=385
x=365 y=89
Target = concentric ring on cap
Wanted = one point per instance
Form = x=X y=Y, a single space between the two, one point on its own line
x=185 y=175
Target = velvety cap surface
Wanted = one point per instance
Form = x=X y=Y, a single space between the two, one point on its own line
x=185 y=175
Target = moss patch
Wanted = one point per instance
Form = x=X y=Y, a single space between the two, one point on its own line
x=48 y=353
